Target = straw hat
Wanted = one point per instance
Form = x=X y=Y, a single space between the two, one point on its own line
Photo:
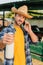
x=23 y=10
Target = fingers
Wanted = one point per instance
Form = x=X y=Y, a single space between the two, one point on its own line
x=27 y=23
x=8 y=38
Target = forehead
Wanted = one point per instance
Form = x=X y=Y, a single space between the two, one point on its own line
x=19 y=15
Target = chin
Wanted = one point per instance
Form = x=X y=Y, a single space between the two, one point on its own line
x=19 y=24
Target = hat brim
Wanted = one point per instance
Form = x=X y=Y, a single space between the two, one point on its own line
x=14 y=10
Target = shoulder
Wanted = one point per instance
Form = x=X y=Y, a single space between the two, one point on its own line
x=5 y=29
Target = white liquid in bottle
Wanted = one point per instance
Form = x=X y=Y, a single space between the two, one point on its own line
x=9 y=54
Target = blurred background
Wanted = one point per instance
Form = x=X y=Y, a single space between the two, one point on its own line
x=35 y=8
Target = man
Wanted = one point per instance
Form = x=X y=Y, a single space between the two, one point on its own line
x=21 y=38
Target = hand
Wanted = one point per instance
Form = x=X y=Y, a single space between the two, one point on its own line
x=2 y=46
x=27 y=27
x=8 y=38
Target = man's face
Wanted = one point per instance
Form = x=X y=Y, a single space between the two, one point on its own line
x=19 y=19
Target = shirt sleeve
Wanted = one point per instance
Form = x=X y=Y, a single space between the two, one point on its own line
x=3 y=32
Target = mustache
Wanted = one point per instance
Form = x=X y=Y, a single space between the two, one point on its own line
x=19 y=20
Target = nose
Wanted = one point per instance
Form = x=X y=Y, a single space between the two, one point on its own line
x=21 y=17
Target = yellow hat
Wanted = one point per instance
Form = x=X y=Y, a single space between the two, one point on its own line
x=23 y=10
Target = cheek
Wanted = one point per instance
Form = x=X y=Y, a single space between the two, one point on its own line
x=23 y=20
x=16 y=19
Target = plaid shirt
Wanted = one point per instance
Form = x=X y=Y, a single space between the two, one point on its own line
x=27 y=48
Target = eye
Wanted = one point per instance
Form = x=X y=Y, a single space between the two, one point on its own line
x=23 y=17
x=19 y=15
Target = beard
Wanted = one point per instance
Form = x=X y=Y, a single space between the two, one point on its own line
x=19 y=22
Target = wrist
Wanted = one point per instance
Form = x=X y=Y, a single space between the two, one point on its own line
x=30 y=32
